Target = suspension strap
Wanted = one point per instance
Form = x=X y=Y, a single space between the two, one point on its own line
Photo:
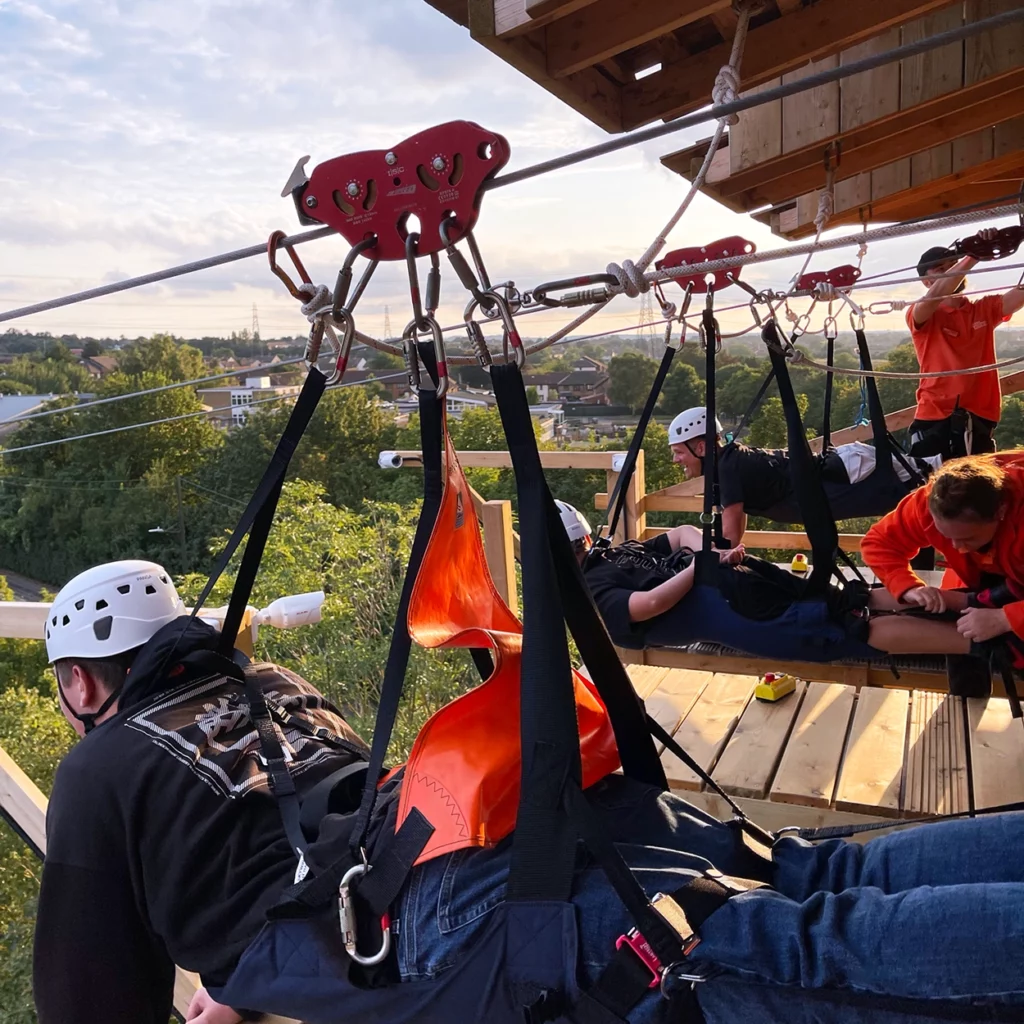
x=826 y=425
x=754 y=405
x=617 y=502
x=431 y=413
x=712 y=530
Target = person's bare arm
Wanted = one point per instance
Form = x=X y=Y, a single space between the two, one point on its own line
x=734 y=523
x=924 y=309
x=1013 y=300
x=646 y=604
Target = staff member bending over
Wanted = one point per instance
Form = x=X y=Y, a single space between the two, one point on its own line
x=956 y=415
x=756 y=481
x=164 y=844
x=645 y=594
x=970 y=512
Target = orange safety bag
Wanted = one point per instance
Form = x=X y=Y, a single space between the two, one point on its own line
x=464 y=770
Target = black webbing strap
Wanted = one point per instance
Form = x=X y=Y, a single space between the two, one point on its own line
x=279 y=778
x=754 y=405
x=826 y=422
x=617 y=501
x=708 y=517
x=431 y=414
x=879 y=430
x=626 y=979
x=316 y=804
x=811 y=499
x=1002 y=662
x=636 y=751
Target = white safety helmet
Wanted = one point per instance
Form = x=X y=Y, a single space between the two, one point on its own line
x=690 y=424
x=110 y=609
x=575 y=523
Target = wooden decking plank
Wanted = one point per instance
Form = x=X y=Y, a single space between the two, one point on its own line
x=942 y=774
x=748 y=764
x=810 y=763
x=997 y=752
x=915 y=749
x=873 y=767
x=708 y=726
x=931 y=767
x=677 y=691
x=960 y=782
x=645 y=678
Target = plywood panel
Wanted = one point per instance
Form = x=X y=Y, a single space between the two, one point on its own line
x=758 y=136
x=645 y=678
x=747 y=766
x=992 y=52
x=997 y=752
x=938 y=71
x=677 y=690
x=707 y=728
x=973 y=149
x=871 y=94
x=854 y=191
x=807 y=773
x=1009 y=137
x=811 y=115
x=892 y=178
x=932 y=163
x=872 y=771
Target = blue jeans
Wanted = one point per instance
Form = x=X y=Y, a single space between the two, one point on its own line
x=934 y=912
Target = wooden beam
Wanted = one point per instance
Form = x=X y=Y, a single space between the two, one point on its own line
x=772 y=49
x=614 y=26
x=589 y=92
x=879 y=142
x=499 y=548
x=514 y=17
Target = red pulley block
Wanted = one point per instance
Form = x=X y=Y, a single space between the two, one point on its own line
x=839 y=277
x=720 y=250
x=436 y=175
x=1005 y=243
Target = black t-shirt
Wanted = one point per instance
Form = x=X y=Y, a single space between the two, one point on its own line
x=756 y=478
x=164 y=843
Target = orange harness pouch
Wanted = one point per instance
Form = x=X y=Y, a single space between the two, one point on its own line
x=464 y=770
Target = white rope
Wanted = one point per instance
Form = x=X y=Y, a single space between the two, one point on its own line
x=319 y=302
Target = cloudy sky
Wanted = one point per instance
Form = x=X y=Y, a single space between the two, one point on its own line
x=140 y=134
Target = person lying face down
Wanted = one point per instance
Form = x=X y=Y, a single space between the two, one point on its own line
x=970 y=512
x=755 y=480
x=645 y=593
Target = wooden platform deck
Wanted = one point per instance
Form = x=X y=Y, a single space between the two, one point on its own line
x=832 y=752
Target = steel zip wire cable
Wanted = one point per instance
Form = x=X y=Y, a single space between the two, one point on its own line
x=613 y=145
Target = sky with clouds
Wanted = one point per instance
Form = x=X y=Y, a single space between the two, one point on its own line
x=138 y=135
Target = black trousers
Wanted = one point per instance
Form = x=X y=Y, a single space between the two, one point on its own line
x=960 y=433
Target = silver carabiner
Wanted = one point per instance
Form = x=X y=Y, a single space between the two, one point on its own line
x=349 y=925
x=412 y=359
x=508 y=323
x=831 y=328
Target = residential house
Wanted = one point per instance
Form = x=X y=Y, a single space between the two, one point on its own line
x=100 y=366
x=395 y=382
x=230 y=405
x=12 y=407
x=589 y=386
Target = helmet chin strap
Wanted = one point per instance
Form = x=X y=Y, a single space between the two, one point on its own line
x=88 y=720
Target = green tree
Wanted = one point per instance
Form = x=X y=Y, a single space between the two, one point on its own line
x=1010 y=433
x=898 y=394
x=768 y=429
x=682 y=389
x=92 y=348
x=162 y=354
x=630 y=378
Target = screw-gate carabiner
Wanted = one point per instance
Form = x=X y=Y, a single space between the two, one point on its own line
x=511 y=332
x=344 y=281
x=278 y=240
x=433 y=282
x=412 y=359
x=576 y=298
x=709 y=308
x=349 y=925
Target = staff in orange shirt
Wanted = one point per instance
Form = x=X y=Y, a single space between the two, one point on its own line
x=970 y=513
x=956 y=415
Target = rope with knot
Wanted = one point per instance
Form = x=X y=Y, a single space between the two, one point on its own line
x=319 y=302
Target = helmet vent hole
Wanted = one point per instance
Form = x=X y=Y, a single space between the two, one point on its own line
x=124 y=588
x=150 y=589
x=163 y=579
x=101 y=627
x=54 y=620
x=64 y=621
x=100 y=605
x=79 y=605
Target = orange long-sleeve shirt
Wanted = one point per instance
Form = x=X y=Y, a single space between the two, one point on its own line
x=895 y=539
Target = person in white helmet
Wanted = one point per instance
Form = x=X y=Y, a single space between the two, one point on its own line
x=757 y=481
x=164 y=844
x=645 y=594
